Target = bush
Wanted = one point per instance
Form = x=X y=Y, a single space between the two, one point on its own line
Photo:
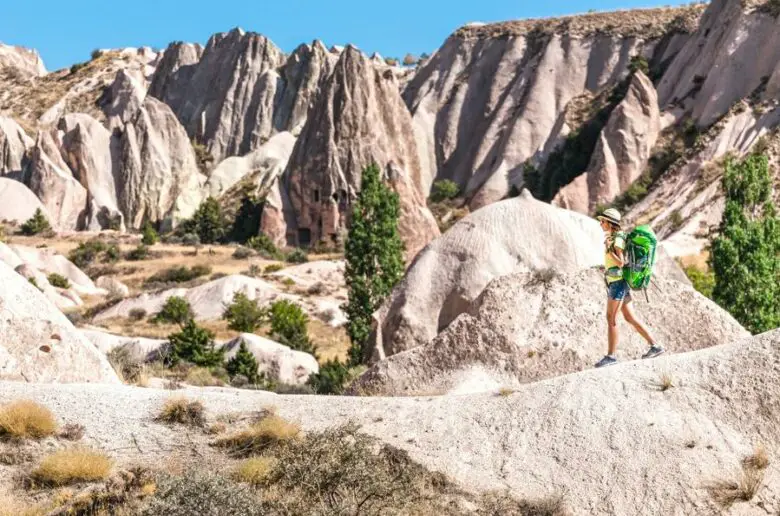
x=26 y=419
x=127 y=368
x=182 y=411
x=190 y=239
x=242 y=253
x=443 y=190
x=71 y=466
x=263 y=245
x=243 y=364
x=254 y=471
x=76 y=67
x=274 y=267
x=243 y=314
x=137 y=314
x=297 y=256
x=36 y=224
x=176 y=310
x=112 y=254
x=198 y=492
x=255 y=440
x=86 y=253
x=96 y=53
x=59 y=281
x=195 y=345
x=180 y=274
x=207 y=222
x=289 y=326
x=139 y=253
x=639 y=64
x=333 y=378
x=703 y=281
x=150 y=236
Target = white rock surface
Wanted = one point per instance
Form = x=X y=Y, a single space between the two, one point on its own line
x=37 y=342
x=23 y=60
x=14 y=142
x=278 y=362
x=50 y=261
x=17 y=202
x=139 y=349
x=113 y=286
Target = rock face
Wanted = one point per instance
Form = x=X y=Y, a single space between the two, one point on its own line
x=49 y=261
x=113 y=286
x=622 y=151
x=17 y=202
x=158 y=177
x=14 y=143
x=49 y=177
x=20 y=59
x=278 y=362
x=513 y=236
x=358 y=119
x=139 y=349
x=524 y=328
x=37 y=342
x=493 y=97
x=86 y=148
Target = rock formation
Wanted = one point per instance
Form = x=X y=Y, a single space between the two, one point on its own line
x=17 y=202
x=277 y=362
x=359 y=118
x=492 y=98
x=37 y=342
x=14 y=143
x=22 y=60
x=528 y=327
x=622 y=151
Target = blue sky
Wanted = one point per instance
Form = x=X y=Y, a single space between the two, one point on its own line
x=65 y=32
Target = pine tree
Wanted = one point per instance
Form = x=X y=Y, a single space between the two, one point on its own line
x=195 y=345
x=243 y=314
x=374 y=256
x=207 y=222
x=289 y=326
x=244 y=364
x=176 y=310
x=36 y=224
x=150 y=236
x=746 y=254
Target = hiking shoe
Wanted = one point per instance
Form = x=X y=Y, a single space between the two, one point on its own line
x=606 y=361
x=653 y=352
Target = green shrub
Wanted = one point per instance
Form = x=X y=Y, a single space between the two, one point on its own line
x=242 y=253
x=203 y=156
x=297 y=256
x=112 y=254
x=36 y=224
x=195 y=345
x=190 y=239
x=176 y=310
x=59 y=281
x=289 y=326
x=207 y=222
x=703 y=281
x=139 y=253
x=76 y=67
x=86 y=253
x=205 y=493
x=676 y=220
x=273 y=267
x=244 y=364
x=263 y=245
x=333 y=378
x=32 y=282
x=639 y=64
x=443 y=190
x=180 y=274
x=150 y=236
x=243 y=314
x=96 y=53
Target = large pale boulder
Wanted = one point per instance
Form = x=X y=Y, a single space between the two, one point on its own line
x=358 y=119
x=86 y=148
x=38 y=343
x=49 y=177
x=512 y=236
x=158 y=177
x=138 y=349
x=17 y=202
x=50 y=261
x=22 y=60
x=528 y=327
x=278 y=362
x=622 y=151
x=62 y=299
x=14 y=143
x=113 y=286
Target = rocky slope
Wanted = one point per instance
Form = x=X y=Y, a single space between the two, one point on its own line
x=22 y=60
x=611 y=441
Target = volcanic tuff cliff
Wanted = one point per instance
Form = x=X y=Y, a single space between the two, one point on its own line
x=633 y=108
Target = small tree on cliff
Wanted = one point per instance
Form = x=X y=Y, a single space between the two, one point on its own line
x=746 y=255
x=374 y=256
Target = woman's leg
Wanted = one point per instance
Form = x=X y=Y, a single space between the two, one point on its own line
x=634 y=321
x=613 y=307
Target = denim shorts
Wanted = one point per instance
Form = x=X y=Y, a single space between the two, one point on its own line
x=619 y=290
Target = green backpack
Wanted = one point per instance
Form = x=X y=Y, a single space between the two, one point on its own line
x=640 y=254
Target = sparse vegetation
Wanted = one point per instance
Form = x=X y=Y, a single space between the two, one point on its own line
x=87 y=252
x=702 y=280
x=206 y=222
x=746 y=255
x=260 y=436
x=25 y=419
x=195 y=345
x=180 y=410
x=505 y=391
x=333 y=377
x=71 y=466
x=203 y=157
x=242 y=253
x=199 y=492
x=36 y=225
x=243 y=314
x=297 y=256
x=728 y=492
x=676 y=220
x=289 y=326
x=243 y=364
x=96 y=54
x=254 y=471
x=665 y=382
x=759 y=459
x=176 y=310
x=264 y=246
x=72 y=432
x=274 y=267
x=138 y=254
x=179 y=274
x=639 y=63
x=203 y=377
x=137 y=314
x=374 y=256
x=58 y=280
x=443 y=190
x=150 y=236
x=127 y=368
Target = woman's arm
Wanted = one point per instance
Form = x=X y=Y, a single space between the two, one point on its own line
x=617 y=253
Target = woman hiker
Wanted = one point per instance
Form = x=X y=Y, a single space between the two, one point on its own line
x=618 y=291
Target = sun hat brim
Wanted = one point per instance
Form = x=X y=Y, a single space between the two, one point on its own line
x=608 y=219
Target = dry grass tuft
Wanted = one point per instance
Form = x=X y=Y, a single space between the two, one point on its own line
x=202 y=377
x=665 y=382
x=260 y=436
x=505 y=391
x=726 y=492
x=26 y=419
x=182 y=411
x=758 y=460
x=502 y=503
x=72 y=466
x=10 y=506
x=254 y=471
